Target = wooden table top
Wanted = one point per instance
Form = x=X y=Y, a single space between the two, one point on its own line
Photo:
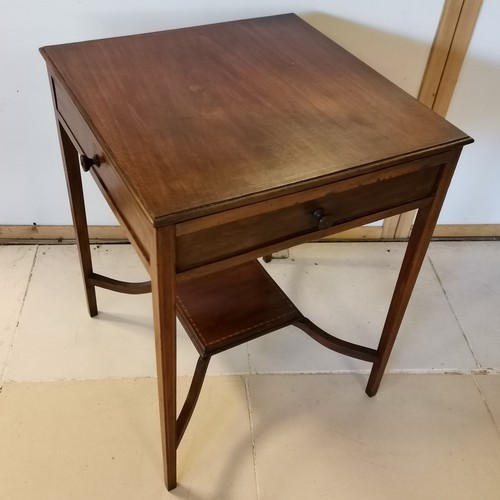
x=203 y=119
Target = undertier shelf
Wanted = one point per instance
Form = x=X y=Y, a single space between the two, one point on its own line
x=230 y=307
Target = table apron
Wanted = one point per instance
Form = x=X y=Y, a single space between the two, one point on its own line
x=305 y=216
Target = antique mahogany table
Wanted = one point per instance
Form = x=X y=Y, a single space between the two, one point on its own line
x=215 y=145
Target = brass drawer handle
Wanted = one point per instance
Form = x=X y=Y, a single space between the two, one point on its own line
x=324 y=220
x=86 y=162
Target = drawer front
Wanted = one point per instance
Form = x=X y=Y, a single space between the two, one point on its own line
x=118 y=196
x=315 y=213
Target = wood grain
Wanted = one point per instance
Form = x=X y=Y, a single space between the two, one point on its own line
x=199 y=120
x=343 y=201
x=217 y=144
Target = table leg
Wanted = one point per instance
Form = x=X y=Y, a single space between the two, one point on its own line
x=163 y=290
x=415 y=253
x=75 y=192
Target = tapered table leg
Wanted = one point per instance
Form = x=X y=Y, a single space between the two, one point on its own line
x=75 y=192
x=163 y=290
x=415 y=253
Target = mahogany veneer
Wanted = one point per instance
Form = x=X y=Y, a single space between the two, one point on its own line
x=215 y=145
x=231 y=307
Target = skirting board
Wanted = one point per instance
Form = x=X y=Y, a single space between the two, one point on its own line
x=100 y=234
x=58 y=234
x=442 y=231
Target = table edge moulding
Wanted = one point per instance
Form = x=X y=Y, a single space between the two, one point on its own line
x=215 y=145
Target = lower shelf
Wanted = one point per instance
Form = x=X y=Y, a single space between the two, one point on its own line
x=230 y=307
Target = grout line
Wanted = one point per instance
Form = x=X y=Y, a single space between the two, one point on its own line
x=249 y=360
x=252 y=437
x=478 y=364
x=488 y=409
x=9 y=354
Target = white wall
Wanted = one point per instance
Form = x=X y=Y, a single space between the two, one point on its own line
x=474 y=195
x=393 y=36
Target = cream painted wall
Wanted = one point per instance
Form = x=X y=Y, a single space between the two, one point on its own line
x=393 y=36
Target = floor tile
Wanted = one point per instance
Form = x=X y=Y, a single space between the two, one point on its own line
x=346 y=289
x=100 y=440
x=56 y=338
x=316 y=436
x=421 y=437
x=344 y=285
x=15 y=269
x=470 y=275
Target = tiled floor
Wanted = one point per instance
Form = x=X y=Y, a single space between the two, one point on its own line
x=284 y=418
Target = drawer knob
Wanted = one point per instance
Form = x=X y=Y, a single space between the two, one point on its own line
x=324 y=220
x=86 y=162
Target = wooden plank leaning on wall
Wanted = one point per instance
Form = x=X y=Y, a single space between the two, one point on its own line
x=445 y=61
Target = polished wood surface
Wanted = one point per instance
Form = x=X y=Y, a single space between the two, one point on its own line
x=230 y=307
x=204 y=241
x=250 y=109
x=215 y=145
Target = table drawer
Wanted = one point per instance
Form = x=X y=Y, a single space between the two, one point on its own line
x=315 y=213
